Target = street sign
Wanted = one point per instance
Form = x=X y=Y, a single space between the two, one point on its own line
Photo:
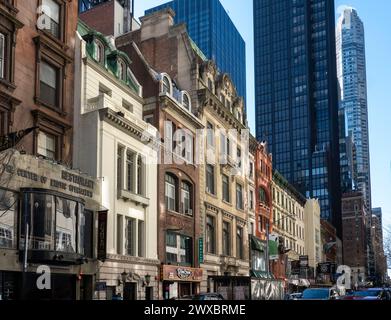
x=201 y=250
x=303 y=261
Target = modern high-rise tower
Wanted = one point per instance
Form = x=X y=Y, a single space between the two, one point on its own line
x=211 y=28
x=351 y=71
x=296 y=96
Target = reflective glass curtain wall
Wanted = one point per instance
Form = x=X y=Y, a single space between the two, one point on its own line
x=296 y=95
x=213 y=31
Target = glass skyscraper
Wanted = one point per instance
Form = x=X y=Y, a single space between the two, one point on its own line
x=351 y=71
x=296 y=96
x=213 y=31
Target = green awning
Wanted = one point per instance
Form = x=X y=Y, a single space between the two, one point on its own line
x=257 y=244
x=273 y=250
x=261 y=274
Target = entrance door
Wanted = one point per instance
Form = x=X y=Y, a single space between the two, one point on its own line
x=130 y=291
x=184 y=289
x=149 y=293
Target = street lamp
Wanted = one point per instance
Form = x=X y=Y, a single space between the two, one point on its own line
x=124 y=276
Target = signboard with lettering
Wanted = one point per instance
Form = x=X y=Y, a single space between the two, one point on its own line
x=27 y=171
x=303 y=261
x=201 y=250
x=102 y=235
x=179 y=273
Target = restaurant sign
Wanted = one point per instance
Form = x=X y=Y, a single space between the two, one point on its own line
x=179 y=273
x=28 y=171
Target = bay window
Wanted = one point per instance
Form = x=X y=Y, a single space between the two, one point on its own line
x=56 y=223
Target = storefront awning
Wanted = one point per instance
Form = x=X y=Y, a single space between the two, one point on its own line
x=257 y=244
x=299 y=282
x=262 y=274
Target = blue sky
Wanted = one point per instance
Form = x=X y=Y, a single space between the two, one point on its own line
x=377 y=21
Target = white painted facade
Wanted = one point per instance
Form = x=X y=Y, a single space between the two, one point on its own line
x=108 y=118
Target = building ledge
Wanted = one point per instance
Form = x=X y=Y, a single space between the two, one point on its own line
x=136 y=198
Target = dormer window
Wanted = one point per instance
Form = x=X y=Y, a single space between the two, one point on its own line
x=166 y=85
x=122 y=70
x=99 y=52
x=186 y=101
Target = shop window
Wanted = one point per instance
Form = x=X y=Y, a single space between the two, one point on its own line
x=56 y=223
x=8 y=215
x=66 y=212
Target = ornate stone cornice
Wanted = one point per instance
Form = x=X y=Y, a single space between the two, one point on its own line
x=125 y=125
x=130 y=259
x=213 y=104
x=211 y=208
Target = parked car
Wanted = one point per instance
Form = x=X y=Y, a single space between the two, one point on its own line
x=320 y=294
x=202 y=296
x=208 y=296
x=294 y=296
x=370 y=294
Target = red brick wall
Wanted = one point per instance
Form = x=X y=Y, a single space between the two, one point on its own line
x=263 y=177
x=100 y=18
x=25 y=75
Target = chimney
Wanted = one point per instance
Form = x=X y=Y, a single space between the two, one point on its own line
x=157 y=23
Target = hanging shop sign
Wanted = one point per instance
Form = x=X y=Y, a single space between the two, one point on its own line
x=179 y=273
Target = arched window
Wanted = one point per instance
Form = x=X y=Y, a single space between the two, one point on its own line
x=99 y=52
x=187 y=198
x=166 y=85
x=171 y=191
x=122 y=70
x=186 y=101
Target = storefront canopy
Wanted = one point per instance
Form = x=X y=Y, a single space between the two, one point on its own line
x=262 y=274
x=257 y=244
